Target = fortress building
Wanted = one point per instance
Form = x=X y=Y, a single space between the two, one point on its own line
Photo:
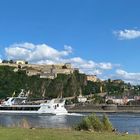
x=44 y=70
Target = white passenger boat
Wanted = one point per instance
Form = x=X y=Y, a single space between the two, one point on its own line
x=19 y=105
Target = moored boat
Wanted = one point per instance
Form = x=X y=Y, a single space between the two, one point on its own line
x=19 y=105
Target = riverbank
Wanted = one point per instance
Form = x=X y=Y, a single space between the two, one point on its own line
x=92 y=108
x=102 y=111
x=59 y=134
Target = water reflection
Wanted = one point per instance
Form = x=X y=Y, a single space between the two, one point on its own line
x=121 y=121
x=34 y=120
x=52 y=121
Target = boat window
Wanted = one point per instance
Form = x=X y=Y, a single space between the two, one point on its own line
x=13 y=99
x=57 y=105
x=20 y=108
x=6 y=99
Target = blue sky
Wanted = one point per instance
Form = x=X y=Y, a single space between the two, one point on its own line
x=99 y=37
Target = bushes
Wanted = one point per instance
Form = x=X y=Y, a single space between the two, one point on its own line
x=96 y=124
x=107 y=126
x=93 y=123
x=84 y=125
x=109 y=101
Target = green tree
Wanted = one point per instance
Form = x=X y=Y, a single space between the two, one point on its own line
x=107 y=126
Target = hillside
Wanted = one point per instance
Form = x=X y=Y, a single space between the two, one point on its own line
x=67 y=85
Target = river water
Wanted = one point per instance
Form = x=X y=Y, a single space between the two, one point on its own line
x=122 y=121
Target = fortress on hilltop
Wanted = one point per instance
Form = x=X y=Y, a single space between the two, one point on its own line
x=43 y=70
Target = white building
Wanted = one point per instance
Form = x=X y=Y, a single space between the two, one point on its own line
x=20 y=62
x=92 y=78
x=120 y=101
x=81 y=99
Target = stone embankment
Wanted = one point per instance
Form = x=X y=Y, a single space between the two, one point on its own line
x=103 y=108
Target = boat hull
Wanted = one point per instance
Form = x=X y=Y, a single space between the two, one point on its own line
x=53 y=107
x=2 y=112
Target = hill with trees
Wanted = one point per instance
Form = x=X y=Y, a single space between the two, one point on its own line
x=65 y=85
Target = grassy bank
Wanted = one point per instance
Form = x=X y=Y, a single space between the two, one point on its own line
x=59 y=134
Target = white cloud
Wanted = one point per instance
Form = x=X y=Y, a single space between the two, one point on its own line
x=106 y=66
x=89 y=64
x=68 y=48
x=133 y=78
x=25 y=45
x=97 y=71
x=17 y=52
x=127 y=34
x=86 y=66
x=44 y=54
x=35 y=53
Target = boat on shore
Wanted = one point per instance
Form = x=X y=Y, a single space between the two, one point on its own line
x=20 y=105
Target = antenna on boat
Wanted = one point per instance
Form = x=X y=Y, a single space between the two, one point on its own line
x=21 y=94
x=27 y=93
x=14 y=93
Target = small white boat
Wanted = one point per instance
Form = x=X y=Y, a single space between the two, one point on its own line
x=18 y=105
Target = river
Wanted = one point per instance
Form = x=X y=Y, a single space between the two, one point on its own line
x=122 y=121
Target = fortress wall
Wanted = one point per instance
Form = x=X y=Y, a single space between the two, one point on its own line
x=64 y=71
x=34 y=69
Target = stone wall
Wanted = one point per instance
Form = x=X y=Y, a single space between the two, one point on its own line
x=104 y=108
x=34 y=69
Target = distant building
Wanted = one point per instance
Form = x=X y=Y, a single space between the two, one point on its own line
x=31 y=72
x=68 y=65
x=92 y=78
x=81 y=99
x=136 y=98
x=19 y=62
x=48 y=75
x=44 y=70
x=118 y=81
x=119 y=100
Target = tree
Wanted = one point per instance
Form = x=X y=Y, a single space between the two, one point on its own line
x=4 y=61
x=11 y=61
x=109 y=101
x=107 y=126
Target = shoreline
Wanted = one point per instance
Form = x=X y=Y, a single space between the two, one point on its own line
x=91 y=108
x=103 y=111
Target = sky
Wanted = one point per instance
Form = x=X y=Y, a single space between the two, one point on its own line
x=100 y=37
